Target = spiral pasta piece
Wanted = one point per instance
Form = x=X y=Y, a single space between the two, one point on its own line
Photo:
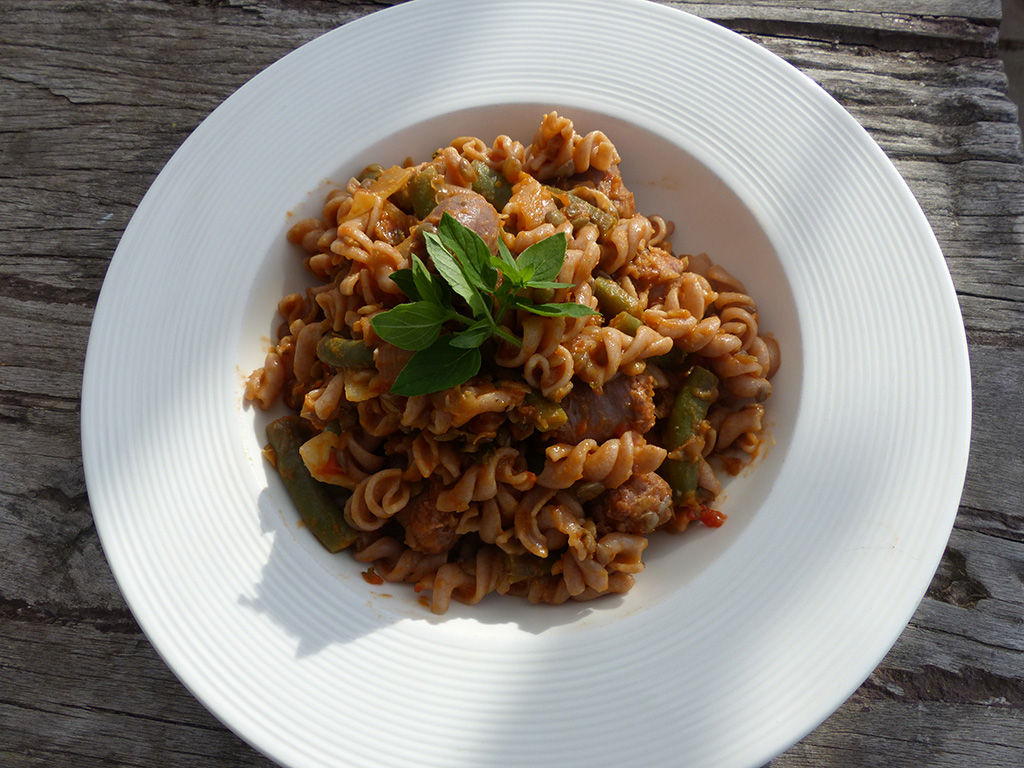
x=376 y=499
x=480 y=481
x=428 y=456
x=394 y=561
x=624 y=242
x=600 y=352
x=610 y=463
x=341 y=459
x=557 y=150
x=552 y=375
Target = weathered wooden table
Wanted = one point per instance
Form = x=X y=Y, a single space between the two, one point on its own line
x=94 y=98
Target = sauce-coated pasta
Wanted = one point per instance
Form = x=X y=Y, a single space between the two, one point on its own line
x=543 y=474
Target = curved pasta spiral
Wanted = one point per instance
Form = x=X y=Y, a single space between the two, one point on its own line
x=557 y=150
x=481 y=479
x=624 y=242
x=611 y=463
x=552 y=375
x=377 y=498
x=467 y=582
x=265 y=384
x=540 y=336
x=600 y=352
x=563 y=524
x=493 y=520
x=341 y=459
x=394 y=561
x=428 y=456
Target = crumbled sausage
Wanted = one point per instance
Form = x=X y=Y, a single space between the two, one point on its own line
x=427 y=529
x=625 y=404
x=641 y=504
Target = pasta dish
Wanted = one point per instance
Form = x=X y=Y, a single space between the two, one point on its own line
x=505 y=378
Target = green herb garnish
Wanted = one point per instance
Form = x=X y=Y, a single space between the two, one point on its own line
x=488 y=285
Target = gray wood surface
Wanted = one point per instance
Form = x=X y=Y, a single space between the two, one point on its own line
x=96 y=96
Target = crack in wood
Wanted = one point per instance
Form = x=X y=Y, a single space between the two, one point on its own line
x=1010 y=526
x=105 y=620
x=968 y=685
x=23 y=290
x=940 y=48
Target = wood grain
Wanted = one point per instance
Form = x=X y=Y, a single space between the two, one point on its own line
x=94 y=99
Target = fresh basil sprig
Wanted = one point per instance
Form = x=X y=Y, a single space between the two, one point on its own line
x=489 y=286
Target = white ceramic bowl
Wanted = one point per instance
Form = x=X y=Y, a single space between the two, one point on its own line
x=735 y=642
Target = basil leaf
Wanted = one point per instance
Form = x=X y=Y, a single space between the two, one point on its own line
x=473 y=336
x=412 y=326
x=403 y=279
x=507 y=264
x=568 y=309
x=543 y=260
x=489 y=275
x=547 y=284
x=468 y=246
x=450 y=269
x=440 y=366
x=424 y=281
x=504 y=335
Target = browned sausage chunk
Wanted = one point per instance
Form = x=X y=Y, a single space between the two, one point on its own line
x=638 y=506
x=626 y=404
x=427 y=529
x=473 y=211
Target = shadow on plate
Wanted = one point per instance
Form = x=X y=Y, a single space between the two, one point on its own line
x=314 y=596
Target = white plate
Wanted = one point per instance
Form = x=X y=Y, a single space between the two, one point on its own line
x=735 y=642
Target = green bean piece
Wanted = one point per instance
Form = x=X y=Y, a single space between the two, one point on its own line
x=626 y=323
x=525 y=566
x=545 y=414
x=674 y=359
x=491 y=184
x=422 y=194
x=339 y=352
x=320 y=512
x=688 y=411
x=542 y=295
x=580 y=212
x=555 y=217
x=584 y=491
x=372 y=171
x=613 y=299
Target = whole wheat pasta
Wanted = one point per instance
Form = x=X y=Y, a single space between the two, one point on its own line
x=544 y=473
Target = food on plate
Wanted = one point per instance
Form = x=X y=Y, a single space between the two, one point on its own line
x=506 y=379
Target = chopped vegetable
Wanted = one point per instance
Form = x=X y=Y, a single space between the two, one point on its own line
x=339 y=352
x=626 y=323
x=580 y=212
x=587 y=491
x=613 y=299
x=372 y=171
x=320 y=511
x=545 y=414
x=494 y=188
x=525 y=566
x=422 y=194
x=688 y=411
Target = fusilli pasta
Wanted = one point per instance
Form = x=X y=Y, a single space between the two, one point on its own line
x=542 y=475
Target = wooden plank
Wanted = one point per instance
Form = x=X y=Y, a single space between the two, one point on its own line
x=95 y=97
x=90 y=692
